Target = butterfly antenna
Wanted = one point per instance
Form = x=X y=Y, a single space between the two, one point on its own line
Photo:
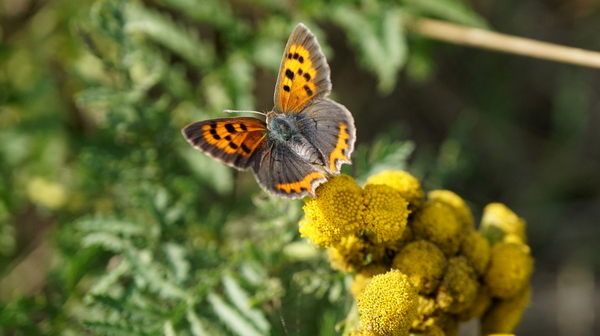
x=235 y=111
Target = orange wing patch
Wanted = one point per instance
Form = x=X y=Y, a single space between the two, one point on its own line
x=234 y=137
x=340 y=147
x=297 y=86
x=300 y=186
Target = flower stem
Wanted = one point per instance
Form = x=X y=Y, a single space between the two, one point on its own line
x=484 y=39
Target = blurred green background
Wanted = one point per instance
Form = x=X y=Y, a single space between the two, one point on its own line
x=111 y=224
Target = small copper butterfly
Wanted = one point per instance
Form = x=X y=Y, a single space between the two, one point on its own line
x=305 y=139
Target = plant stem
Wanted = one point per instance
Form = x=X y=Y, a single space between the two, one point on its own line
x=484 y=39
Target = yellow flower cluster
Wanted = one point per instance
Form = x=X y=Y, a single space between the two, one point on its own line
x=342 y=209
x=419 y=264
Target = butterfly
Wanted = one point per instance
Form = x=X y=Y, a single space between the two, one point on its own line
x=306 y=137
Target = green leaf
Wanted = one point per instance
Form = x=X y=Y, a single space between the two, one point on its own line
x=108 y=280
x=385 y=153
x=395 y=158
x=109 y=241
x=112 y=225
x=185 y=43
x=214 y=173
x=197 y=327
x=231 y=318
x=253 y=272
x=240 y=73
x=112 y=329
x=238 y=296
x=168 y=328
x=379 y=36
x=451 y=10
x=151 y=275
x=117 y=305
x=176 y=258
x=216 y=12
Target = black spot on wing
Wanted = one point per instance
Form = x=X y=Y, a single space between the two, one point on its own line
x=230 y=128
x=213 y=132
x=245 y=148
x=308 y=90
x=289 y=74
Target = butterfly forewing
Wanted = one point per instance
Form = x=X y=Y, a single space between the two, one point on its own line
x=232 y=141
x=329 y=126
x=303 y=74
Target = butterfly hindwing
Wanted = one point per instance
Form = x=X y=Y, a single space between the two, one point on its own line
x=284 y=174
x=329 y=126
x=232 y=141
x=303 y=74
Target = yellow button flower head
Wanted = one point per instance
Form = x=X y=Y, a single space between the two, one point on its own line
x=364 y=276
x=388 y=305
x=428 y=314
x=427 y=307
x=347 y=255
x=504 y=315
x=385 y=213
x=334 y=213
x=499 y=221
x=480 y=304
x=459 y=286
x=408 y=185
x=384 y=253
x=461 y=209
x=509 y=270
x=515 y=239
x=437 y=223
x=424 y=264
x=477 y=250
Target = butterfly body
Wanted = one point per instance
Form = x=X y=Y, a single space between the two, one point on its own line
x=305 y=139
x=283 y=130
